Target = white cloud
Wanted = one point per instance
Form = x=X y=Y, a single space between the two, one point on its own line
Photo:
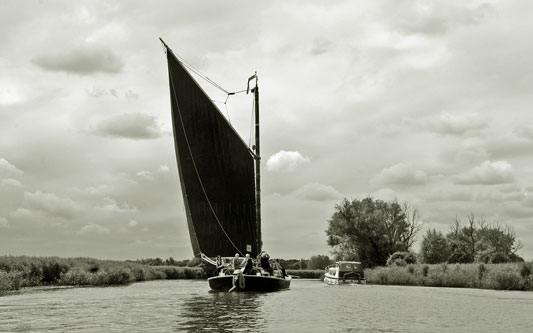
x=83 y=60
x=151 y=175
x=148 y=175
x=52 y=204
x=132 y=223
x=129 y=125
x=286 y=161
x=385 y=194
x=488 y=173
x=4 y=223
x=93 y=229
x=401 y=174
x=317 y=192
x=8 y=168
x=12 y=182
x=471 y=155
x=435 y=18
x=450 y=195
x=21 y=213
x=458 y=124
x=111 y=205
x=97 y=190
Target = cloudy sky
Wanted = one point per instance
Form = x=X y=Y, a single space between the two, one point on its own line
x=427 y=102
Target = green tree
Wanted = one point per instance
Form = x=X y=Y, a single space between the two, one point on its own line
x=318 y=262
x=371 y=230
x=435 y=248
x=460 y=241
x=482 y=242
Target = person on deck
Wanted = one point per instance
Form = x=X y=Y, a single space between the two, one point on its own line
x=265 y=264
x=220 y=266
x=278 y=266
x=248 y=265
x=235 y=263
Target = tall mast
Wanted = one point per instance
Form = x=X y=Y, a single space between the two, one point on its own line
x=257 y=158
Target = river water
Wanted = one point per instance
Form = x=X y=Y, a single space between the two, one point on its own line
x=309 y=305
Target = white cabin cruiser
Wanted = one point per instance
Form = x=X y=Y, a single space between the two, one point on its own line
x=344 y=272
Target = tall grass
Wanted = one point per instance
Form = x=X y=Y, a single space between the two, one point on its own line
x=25 y=271
x=306 y=273
x=509 y=276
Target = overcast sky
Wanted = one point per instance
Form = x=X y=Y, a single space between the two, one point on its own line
x=427 y=102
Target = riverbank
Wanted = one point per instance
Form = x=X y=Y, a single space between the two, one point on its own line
x=509 y=276
x=23 y=271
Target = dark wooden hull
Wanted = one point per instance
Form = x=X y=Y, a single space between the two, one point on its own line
x=251 y=283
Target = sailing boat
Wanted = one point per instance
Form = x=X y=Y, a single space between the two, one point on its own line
x=220 y=183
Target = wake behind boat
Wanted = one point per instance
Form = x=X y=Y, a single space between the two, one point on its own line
x=220 y=183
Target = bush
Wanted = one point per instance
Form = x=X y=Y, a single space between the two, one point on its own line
x=194 y=262
x=525 y=270
x=23 y=271
x=401 y=259
x=9 y=281
x=506 y=280
x=499 y=258
x=76 y=277
x=508 y=276
x=51 y=271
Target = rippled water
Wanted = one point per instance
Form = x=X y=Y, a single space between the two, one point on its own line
x=185 y=305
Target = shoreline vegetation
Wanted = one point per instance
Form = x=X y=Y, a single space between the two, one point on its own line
x=507 y=276
x=18 y=272
x=24 y=271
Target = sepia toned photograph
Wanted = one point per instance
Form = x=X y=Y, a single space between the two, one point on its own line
x=266 y=166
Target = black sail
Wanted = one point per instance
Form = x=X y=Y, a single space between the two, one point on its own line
x=216 y=170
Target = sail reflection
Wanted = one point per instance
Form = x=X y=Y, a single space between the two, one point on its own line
x=221 y=311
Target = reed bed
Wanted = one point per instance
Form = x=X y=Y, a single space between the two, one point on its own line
x=24 y=271
x=509 y=276
x=306 y=273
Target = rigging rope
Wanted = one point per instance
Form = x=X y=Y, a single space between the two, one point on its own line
x=196 y=169
x=197 y=72
x=206 y=78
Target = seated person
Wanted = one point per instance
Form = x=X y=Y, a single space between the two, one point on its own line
x=279 y=267
x=248 y=265
x=265 y=264
x=220 y=266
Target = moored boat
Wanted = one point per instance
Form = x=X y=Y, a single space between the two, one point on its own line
x=344 y=272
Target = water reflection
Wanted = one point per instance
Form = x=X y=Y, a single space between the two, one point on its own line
x=222 y=311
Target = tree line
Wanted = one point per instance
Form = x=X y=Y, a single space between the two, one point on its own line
x=379 y=233
x=315 y=262
x=474 y=241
